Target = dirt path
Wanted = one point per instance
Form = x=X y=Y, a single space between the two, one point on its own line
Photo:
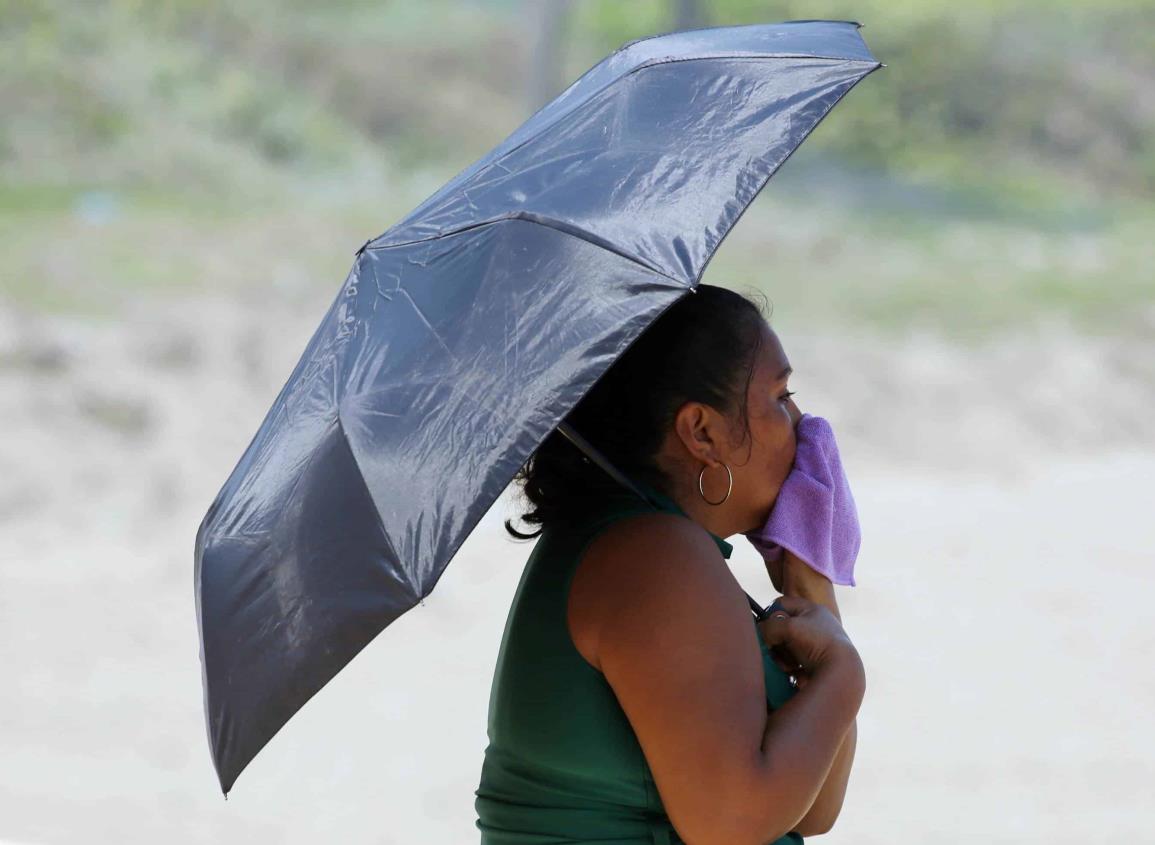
x=1003 y=604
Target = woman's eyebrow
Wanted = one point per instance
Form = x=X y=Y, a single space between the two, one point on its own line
x=784 y=373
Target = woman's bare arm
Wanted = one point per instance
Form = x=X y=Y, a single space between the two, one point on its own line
x=852 y=684
x=675 y=642
x=824 y=811
x=800 y=580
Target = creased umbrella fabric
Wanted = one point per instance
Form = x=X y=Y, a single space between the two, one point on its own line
x=465 y=333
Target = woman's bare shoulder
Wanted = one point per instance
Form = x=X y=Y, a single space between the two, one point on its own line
x=671 y=633
x=636 y=558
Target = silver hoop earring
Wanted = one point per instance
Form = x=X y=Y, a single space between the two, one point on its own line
x=730 y=486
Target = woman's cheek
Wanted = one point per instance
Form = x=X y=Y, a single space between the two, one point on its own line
x=791 y=441
x=785 y=458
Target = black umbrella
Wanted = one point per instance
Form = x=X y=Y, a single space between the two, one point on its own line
x=464 y=335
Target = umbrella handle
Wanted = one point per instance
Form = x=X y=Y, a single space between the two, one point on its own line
x=598 y=458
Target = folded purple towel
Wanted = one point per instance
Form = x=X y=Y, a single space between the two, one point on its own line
x=814 y=516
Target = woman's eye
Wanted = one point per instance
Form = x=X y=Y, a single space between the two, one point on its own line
x=787 y=395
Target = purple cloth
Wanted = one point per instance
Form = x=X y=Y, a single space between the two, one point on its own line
x=814 y=515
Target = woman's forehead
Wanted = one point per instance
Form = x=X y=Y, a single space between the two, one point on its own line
x=773 y=361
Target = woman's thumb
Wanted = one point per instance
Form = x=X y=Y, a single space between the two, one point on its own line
x=776 y=628
x=793 y=605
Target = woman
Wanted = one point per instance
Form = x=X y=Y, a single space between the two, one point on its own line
x=635 y=698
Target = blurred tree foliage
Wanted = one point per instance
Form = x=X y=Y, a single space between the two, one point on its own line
x=207 y=94
x=1035 y=96
x=1038 y=99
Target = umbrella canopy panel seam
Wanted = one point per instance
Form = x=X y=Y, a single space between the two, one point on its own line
x=746 y=205
x=645 y=38
x=549 y=223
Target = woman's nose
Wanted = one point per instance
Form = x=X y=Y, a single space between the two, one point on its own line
x=795 y=414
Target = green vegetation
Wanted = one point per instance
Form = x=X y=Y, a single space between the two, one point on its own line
x=1035 y=98
x=1001 y=167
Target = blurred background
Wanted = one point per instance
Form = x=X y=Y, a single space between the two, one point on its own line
x=960 y=265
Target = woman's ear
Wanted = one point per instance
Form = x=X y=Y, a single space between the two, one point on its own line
x=699 y=428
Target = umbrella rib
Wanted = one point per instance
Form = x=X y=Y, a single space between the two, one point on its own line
x=746 y=205
x=549 y=223
x=629 y=44
x=385 y=536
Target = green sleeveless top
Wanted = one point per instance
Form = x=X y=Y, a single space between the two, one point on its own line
x=563 y=766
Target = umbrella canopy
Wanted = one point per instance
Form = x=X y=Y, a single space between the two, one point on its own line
x=464 y=334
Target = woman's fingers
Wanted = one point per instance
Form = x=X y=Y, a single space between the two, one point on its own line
x=784 y=660
x=775 y=628
x=802 y=629
x=792 y=605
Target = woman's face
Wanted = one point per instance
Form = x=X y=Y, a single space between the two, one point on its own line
x=759 y=462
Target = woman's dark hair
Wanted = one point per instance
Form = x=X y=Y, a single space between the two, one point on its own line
x=703 y=348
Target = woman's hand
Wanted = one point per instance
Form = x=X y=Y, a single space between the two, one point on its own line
x=804 y=635
x=793 y=577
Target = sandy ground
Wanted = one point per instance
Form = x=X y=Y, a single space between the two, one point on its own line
x=1003 y=609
